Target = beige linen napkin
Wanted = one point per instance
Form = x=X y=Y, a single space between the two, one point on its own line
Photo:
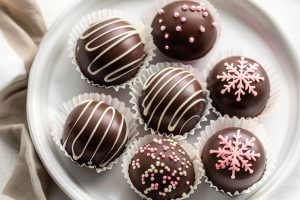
x=21 y=28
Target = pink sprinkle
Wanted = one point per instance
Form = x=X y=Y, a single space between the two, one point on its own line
x=193 y=8
x=166 y=37
x=167 y=47
x=183 y=19
x=165 y=177
x=173 y=174
x=142 y=151
x=178 y=178
x=184 y=7
x=184 y=159
x=160 y=21
x=182 y=163
x=169 y=177
x=202 y=29
x=161 y=11
x=205 y=14
x=175 y=160
x=175 y=183
x=163 y=156
x=152 y=174
x=198 y=8
x=171 y=157
x=172 y=148
x=162 y=28
x=176 y=14
x=214 y=24
x=178 y=28
x=191 y=39
x=148 y=154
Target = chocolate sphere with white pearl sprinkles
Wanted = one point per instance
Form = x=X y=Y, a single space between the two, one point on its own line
x=236 y=155
x=185 y=30
x=94 y=130
x=110 y=48
x=170 y=98
x=161 y=167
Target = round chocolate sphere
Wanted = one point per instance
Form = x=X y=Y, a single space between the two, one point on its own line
x=239 y=86
x=110 y=52
x=172 y=101
x=94 y=134
x=184 y=30
x=162 y=170
x=234 y=159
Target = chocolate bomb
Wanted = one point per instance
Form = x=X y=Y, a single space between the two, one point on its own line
x=110 y=52
x=234 y=159
x=94 y=134
x=172 y=101
x=162 y=170
x=184 y=30
x=239 y=86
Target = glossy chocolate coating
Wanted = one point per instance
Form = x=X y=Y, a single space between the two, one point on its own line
x=94 y=134
x=184 y=33
x=110 y=52
x=171 y=166
x=250 y=105
x=222 y=178
x=172 y=101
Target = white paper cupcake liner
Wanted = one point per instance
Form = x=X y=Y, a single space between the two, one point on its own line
x=63 y=112
x=274 y=80
x=82 y=25
x=249 y=124
x=158 y=4
x=137 y=88
x=190 y=150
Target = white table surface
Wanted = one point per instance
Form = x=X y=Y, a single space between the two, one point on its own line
x=285 y=12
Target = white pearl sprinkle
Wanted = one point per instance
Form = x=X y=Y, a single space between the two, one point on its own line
x=205 y=14
x=178 y=28
x=184 y=7
x=176 y=14
x=167 y=47
x=161 y=11
x=166 y=36
x=191 y=39
x=162 y=28
x=214 y=24
x=183 y=19
x=160 y=21
x=202 y=29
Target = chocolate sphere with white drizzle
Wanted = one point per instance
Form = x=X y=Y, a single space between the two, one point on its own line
x=94 y=134
x=172 y=101
x=110 y=52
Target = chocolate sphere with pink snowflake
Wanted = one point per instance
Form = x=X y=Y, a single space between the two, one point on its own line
x=234 y=159
x=239 y=86
x=184 y=30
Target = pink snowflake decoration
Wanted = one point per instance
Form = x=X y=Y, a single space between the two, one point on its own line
x=235 y=155
x=240 y=77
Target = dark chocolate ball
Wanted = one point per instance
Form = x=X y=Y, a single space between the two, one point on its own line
x=110 y=52
x=172 y=101
x=239 y=86
x=184 y=30
x=94 y=134
x=162 y=170
x=234 y=159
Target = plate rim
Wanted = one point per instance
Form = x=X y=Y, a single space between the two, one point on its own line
x=61 y=182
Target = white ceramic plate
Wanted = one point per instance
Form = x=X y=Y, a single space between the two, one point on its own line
x=54 y=80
